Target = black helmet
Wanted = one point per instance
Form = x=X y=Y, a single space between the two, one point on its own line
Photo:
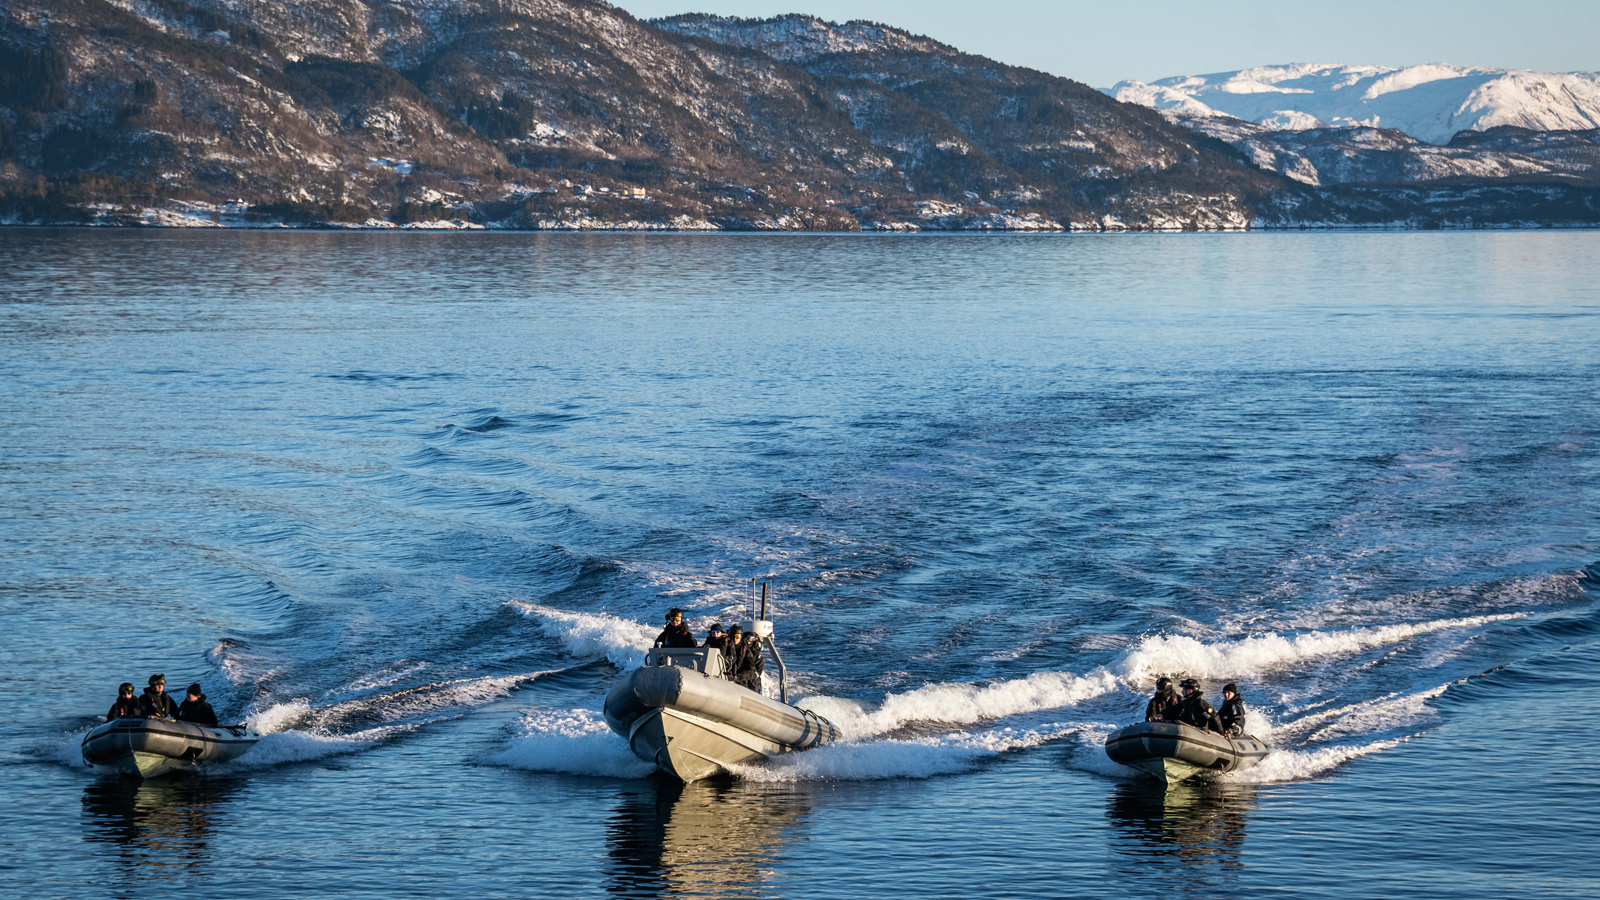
x=733 y=630
x=674 y=612
x=157 y=679
x=195 y=689
x=1231 y=688
x=125 y=688
x=1163 y=683
x=1189 y=683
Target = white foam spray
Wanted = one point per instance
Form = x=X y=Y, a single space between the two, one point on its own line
x=1165 y=654
x=1299 y=765
x=963 y=703
x=571 y=741
x=916 y=758
x=299 y=746
x=587 y=635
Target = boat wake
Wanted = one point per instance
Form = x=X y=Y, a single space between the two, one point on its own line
x=924 y=757
x=929 y=731
x=572 y=742
x=590 y=635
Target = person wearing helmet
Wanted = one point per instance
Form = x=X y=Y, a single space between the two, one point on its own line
x=751 y=664
x=676 y=634
x=155 y=703
x=1231 y=716
x=717 y=638
x=194 y=708
x=1163 y=707
x=127 y=706
x=1195 y=710
x=732 y=651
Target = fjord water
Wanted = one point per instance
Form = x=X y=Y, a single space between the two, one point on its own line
x=409 y=503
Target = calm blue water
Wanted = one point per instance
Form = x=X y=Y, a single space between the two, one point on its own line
x=408 y=502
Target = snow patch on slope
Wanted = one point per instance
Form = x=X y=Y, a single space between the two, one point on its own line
x=1429 y=102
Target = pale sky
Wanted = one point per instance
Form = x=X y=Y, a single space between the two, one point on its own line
x=1105 y=42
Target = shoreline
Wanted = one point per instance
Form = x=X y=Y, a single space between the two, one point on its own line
x=328 y=228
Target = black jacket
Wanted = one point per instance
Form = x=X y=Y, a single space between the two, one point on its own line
x=731 y=654
x=1232 y=715
x=154 y=704
x=750 y=666
x=1163 y=707
x=721 y=643
x=1197 y=712
x=676 y=636
x=124 y=708
x=197 y=711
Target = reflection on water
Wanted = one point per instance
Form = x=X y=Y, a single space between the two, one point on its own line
x=158 y=827
x=1200 y=824
x=710 y=838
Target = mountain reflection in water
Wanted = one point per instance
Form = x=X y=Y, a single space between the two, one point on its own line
x=1200 y=824
x=160 y=825
x=709 y=838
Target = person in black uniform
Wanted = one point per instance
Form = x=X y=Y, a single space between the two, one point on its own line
x=751 y=664
x=732 y=649
x=127 y=706
x=717 y=638
x=676 y=634
x=194 y=708
x=155 y=702
x=1194 y=709
x=1231 y=715
x=1163 y=707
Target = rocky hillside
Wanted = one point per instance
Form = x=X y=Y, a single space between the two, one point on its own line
x=573 y=114
x=1362 y=155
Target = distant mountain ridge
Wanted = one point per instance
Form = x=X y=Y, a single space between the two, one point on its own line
x=799 y=38
x=573 y=115
x=1429 y=102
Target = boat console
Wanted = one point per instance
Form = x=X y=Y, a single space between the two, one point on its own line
x=701 y=659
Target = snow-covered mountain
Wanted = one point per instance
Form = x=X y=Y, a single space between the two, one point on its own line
x=1430 y=102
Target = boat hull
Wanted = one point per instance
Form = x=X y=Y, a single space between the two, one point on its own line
x=694 y=726
x=148 y=748
x=1173 y=752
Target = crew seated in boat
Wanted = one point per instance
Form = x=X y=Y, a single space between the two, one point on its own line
x=750 y=666
x=155 y=703
x=1163 y=707
x=676 y=634
x=194 y=708
x=1195 y=710
x=127 y=706
x=1231 y=715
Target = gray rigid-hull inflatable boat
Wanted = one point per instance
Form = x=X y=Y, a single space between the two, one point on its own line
x=680 y=713
x=1172 y=751
x=151 y=747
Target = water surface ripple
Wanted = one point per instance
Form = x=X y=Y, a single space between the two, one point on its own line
x=410 y=502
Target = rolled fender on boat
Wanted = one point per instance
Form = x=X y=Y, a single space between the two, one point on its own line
x=151 y=747
x=1172 y=751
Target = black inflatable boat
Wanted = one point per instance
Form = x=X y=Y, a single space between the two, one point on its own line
x=151 y=747
x=1172 y=751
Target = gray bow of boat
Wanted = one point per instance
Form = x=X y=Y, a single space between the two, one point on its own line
x=680 y=712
